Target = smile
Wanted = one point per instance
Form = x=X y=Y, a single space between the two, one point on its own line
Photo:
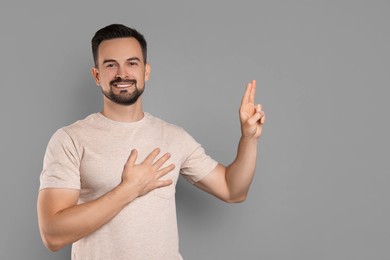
x=122 y=85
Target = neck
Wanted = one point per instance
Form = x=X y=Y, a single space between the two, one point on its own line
x=123 y=113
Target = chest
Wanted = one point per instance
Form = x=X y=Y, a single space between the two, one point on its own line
x=104 y=157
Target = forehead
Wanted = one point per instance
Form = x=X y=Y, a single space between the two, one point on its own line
x=119 y=49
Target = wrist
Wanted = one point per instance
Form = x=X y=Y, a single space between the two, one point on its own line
x=249 y=139
x=127 y=192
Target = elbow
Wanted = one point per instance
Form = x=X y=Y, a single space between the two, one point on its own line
x=52 y=243
x=52 y=246
x=240 y=200
x=235 y=199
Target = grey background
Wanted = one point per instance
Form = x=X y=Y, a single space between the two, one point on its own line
x=321 y=189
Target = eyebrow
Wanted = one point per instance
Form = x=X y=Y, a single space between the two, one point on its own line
x=129 y=59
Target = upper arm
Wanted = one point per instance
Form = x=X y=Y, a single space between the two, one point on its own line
x=215 y=183
x=52 y=201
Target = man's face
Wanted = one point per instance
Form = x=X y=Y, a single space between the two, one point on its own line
x=121 y=71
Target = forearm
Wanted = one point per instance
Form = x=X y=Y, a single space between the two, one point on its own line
x=73 y=223
x=231 y=183
x=62 y=221
x=239 y=174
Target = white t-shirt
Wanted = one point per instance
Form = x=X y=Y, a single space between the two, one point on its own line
x=90 y=155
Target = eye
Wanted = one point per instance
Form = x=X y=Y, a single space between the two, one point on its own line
x=132 y=63
x=110 y=65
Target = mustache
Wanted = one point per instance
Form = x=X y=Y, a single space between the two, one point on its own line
x=119 y=80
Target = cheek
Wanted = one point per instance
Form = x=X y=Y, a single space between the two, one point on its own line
x=107 y=77
x=143 y=76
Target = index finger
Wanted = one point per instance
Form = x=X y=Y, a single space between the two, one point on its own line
x=249 y=95
x=253 y=92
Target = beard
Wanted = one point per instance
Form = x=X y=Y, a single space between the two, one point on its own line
x=124 y=97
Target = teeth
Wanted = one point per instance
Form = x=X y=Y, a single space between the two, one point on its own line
x=123 y=85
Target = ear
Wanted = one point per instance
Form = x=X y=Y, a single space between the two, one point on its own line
x=147 y=71
x=95 y=75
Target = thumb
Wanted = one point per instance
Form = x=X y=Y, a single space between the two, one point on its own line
x=254 y=119
x=132 y=157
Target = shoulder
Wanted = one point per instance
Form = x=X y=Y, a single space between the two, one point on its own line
x=80 y=126
x=69 y=133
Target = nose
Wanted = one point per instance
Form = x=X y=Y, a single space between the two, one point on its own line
x=121 y=73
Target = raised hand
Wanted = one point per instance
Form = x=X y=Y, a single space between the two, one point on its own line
x=252 y=117
x=145 y=177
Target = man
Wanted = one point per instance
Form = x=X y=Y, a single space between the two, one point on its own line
x=108 y=181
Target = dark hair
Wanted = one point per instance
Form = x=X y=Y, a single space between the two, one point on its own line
x=116 y=31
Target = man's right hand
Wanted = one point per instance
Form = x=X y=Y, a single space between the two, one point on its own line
x=63 y=221
x=145 y=177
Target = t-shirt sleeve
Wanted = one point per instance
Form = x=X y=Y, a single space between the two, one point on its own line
x=197 y=164
x=61 y=164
